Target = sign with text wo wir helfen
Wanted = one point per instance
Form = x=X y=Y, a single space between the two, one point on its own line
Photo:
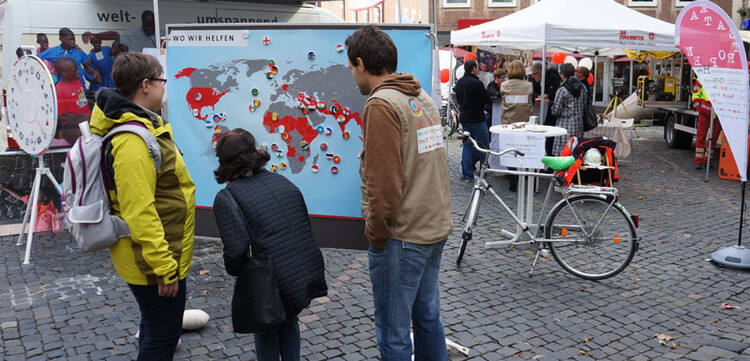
x=711 y=43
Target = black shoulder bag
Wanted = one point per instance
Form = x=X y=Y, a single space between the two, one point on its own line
x=589 y=114
x=256 y=303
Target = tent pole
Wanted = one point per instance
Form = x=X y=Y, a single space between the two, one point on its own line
x=452 y=72
x=542 y=103
x=630 y=89
x=157 y=30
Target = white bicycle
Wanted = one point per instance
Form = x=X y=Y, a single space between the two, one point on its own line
x=589 y=233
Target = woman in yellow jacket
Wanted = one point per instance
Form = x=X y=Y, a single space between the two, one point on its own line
x=159 y=208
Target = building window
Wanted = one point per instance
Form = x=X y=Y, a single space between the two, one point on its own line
x=352 y=16
x=376 y=14
x=642 y=3
x=456 y=3
x=501 y=3
x=681 y=3
x=341 y=10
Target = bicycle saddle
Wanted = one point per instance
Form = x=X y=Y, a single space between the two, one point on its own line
x=558 y=163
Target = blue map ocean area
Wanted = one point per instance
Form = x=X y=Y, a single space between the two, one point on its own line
x=296 y=95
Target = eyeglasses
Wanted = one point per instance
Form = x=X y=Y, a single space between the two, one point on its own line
x=162 y=80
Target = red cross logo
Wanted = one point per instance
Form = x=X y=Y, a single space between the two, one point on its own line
x=266 y=40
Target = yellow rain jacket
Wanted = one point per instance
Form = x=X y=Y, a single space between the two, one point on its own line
x=158 y=208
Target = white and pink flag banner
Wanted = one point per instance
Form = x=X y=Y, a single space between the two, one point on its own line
x=711 y=43
x=360 y=5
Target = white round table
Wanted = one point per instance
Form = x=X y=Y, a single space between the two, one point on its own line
x=545 y=130
x=525 y=210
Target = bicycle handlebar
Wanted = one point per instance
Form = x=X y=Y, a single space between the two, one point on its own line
x=516 y=152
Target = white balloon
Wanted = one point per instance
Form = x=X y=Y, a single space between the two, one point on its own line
x=586 y=63
x=571 y=60
x=459 y=72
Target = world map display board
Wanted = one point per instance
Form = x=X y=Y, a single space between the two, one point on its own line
x=292 y=89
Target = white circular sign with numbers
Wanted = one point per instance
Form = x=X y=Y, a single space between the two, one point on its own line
x=32 y=105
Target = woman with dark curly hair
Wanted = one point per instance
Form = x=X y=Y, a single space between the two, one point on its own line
x=272 y=212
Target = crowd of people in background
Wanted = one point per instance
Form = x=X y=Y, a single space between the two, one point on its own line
x=519 y=90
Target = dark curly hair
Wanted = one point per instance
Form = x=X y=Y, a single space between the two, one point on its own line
x=375 y=48
x=238 y=155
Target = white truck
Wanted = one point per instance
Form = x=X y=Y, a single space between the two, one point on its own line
x=670 y=91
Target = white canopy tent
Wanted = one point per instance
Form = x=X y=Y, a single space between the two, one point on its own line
x=592 y=27
x=585 y=26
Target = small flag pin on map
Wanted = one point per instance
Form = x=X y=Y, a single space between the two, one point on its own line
x=282 y=165
x=274 y=168
x=285 y=137
x=271 y=62
x=335 y=170
x=251 y=107
x=304 y=145
x=274 y=116
x=255 y=91
x=279 y=153
x=315 y=168
x=340 y=48
x=345 y=134
x=320 y=129
x=329 y=155
x=256 y=102
x=341 y=118
x=266 y=40
x=336 y=159
x=323 y=146
x=328 y=131
x=311 y=55
x=274 y=147
x=269 y=75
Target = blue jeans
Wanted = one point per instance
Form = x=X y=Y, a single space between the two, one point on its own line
x=161 y=321
x=406 y=291
x=284 y=342
x=470 y=156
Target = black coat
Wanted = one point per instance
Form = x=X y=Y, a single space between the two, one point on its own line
x=275 y=216
x=471 y=97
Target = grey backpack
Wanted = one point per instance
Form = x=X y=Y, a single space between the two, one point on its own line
x=85 y=193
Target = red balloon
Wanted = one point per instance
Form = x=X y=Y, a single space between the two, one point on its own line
x=591 y=79
x=558 y=58
x=470 y=56
x=445 y=75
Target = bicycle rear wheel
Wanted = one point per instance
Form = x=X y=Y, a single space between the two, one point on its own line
x=591 y=254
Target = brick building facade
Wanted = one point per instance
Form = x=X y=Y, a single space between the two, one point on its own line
x=452 y=12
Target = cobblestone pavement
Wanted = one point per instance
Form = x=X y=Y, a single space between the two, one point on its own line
x=69 y=305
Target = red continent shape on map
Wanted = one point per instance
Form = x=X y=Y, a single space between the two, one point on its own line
x=309 y=100
x=301 y=125
x=199 y=97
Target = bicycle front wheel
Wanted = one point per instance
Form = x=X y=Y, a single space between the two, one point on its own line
x=590 y=237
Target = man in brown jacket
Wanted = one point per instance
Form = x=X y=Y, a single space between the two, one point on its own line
x=405 y=199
